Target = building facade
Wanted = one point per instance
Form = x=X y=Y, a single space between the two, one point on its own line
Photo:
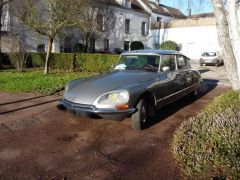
x=136 y=21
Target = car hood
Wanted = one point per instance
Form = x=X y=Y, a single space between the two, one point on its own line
x=86 y=91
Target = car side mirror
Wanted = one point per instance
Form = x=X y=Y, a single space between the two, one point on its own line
x=166 y=69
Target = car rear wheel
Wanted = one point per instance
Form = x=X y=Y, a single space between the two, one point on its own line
x=139 y=118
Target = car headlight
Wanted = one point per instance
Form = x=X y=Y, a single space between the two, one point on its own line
x=113 y=99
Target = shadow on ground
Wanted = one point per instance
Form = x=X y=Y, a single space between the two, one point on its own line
x=203 y=70
x=165 y=112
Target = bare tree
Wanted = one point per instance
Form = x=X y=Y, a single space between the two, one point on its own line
x=17 y=51
x=46 y=17
x=2 y=4
x=94 y=19
x=1 y=12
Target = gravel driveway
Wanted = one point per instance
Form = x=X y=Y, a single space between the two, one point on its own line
x=212 y=74
x=37 y=141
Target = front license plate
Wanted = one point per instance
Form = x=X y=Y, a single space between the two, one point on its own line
x=208 y=61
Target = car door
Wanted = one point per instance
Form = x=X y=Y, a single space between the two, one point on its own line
x=169 y=80
x=183 y=69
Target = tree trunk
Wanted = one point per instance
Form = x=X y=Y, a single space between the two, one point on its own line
x=235 y=32
x=225 y=43
x=49 y=51
x=1 y=11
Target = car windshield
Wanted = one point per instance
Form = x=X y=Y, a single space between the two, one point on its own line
x=209 y=54
x=144 y=62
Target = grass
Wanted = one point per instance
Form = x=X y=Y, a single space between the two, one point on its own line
x=208 y=145
x=34 y=81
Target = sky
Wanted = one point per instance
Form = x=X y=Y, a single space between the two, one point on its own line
x=196 y=6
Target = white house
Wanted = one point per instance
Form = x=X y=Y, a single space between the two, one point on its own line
x=137 y=20
x=132 y=23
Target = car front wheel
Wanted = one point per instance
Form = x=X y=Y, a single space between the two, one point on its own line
x=139 y=118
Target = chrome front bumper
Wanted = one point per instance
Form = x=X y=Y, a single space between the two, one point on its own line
x=93 y=112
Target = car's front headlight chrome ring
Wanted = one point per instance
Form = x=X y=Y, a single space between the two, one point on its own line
x=113 y=99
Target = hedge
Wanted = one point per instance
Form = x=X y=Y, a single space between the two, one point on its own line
x=208 y=146
x=94 y=63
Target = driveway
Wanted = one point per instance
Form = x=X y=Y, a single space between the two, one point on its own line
x=212 y=74
x=37 y=141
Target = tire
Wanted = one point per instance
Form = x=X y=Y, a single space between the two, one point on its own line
x=139 y=118
x=194 y=94
x=217 y=64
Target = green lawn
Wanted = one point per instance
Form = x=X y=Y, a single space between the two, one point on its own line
x=34 y=81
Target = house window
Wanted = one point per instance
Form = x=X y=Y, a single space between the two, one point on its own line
x=159 y=19
x=144 y=29
x=127 y=26
x=126 y=45
x=100 y=22
x=41 y=48
x=106 y=44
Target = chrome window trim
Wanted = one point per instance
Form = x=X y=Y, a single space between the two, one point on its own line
x=176 y=93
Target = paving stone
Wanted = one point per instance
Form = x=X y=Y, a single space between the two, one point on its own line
x=22 y=123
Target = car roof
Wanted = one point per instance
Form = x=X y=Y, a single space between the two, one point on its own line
x=152 y=51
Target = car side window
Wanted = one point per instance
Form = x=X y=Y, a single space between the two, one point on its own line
x=168 y=61
x=182 y=62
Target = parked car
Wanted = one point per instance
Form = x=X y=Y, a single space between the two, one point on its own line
x=209 y=58
x=141 y=82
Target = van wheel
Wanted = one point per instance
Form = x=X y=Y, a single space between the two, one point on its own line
x=139 y=118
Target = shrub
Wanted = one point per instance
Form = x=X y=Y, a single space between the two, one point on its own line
x=62 y=61
x=95 y=63
x=208 y=145
x=169 y=45
x=18 y=60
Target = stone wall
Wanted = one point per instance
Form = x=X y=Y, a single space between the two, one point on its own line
x=190 y=22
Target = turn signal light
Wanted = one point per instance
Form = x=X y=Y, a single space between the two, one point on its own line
x=122 y=107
